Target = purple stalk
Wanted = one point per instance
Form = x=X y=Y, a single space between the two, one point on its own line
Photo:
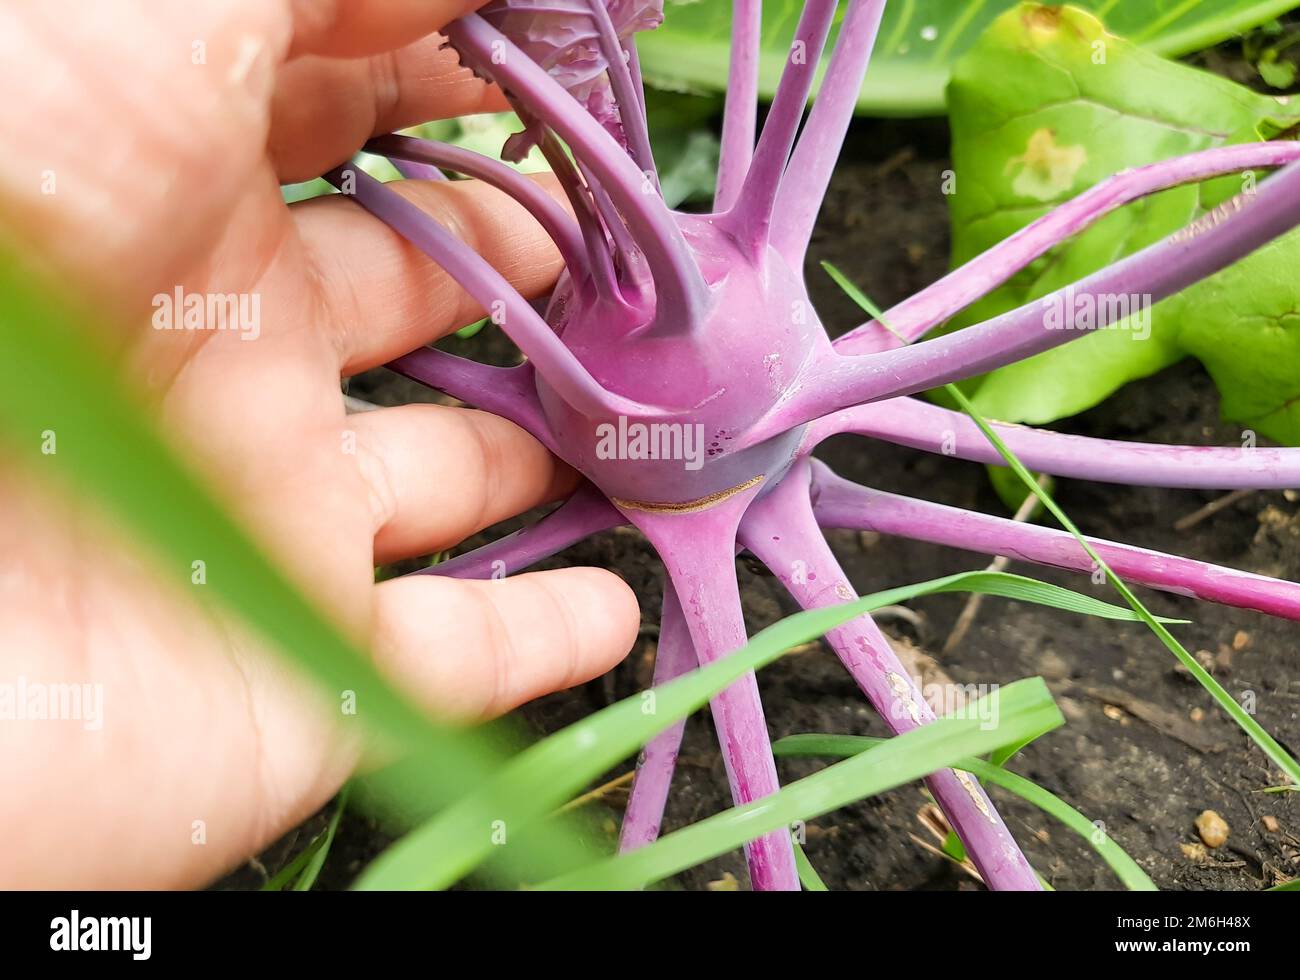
x=1205 y=247
x=410 y=170
x=519 y=320
x=679 y=285
x=814 y=158
x=699 y=313
x=740 y=113
x=634 y=68
x=553 y=219
x=600 y=261
x=839 y=503
x=961 y=287
x=626 y=93
x=625 y=247
x=920 y=425
x=698 y=550
x=752 y=214
x=674 y=656
x=508 y=392
x=782 y=533
x=585 y=513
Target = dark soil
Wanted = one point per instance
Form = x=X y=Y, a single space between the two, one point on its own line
x=1144 y=750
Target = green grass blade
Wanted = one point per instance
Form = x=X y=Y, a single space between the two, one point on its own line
x=1287 y=886
x=1000 y=757
x=1024 y=708
x=61 y=378
x=843 y=746
x=808 y=876
x=1225 y=700
x=545 y=775
x=289 y=873
x=317 y=860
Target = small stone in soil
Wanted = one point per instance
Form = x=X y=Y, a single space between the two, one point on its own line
x=1270 y=824
x=1212 y=828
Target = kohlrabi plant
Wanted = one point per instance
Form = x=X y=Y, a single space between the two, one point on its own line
x=682 y=370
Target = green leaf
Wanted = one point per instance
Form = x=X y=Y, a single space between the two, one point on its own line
x=545 y=775
x=841 y=746
x=286 y=875
x=685 y=145
x=1022 y=709
x=953 y=847
x=317 y=861
x=918 y=41
x=63 y=379
x=468 y=333
x=1002 y=756
x=304 y=869
x=808 y=876
x=1070 y=122
x=1277 y=74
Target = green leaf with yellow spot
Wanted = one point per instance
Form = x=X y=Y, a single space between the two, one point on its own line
x=1085 y=105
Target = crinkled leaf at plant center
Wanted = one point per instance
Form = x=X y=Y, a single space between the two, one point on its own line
x=1085 y=105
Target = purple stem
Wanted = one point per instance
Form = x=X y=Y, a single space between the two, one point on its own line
x=740 y=114
x=1205 y=247
x=781 y=532
x=624 y=245
x=508 y=392
x=576 y=190
x=410 y=170
x=634 y=69
x=819 y=145
x=961 y=287
x=679 y=285
x=519 y=320
x=698 y=550
x=630 y=110
x=562 y=228
x=841 y=504
x=752 y=214
x=911 y=422
x=674 y=656
x=585 y=513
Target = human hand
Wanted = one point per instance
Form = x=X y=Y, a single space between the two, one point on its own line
x=146 y=155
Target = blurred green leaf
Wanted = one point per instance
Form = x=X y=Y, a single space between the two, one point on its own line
x=685 y=144
x=919 y=39
x=63 y=379
x=1277 y=74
